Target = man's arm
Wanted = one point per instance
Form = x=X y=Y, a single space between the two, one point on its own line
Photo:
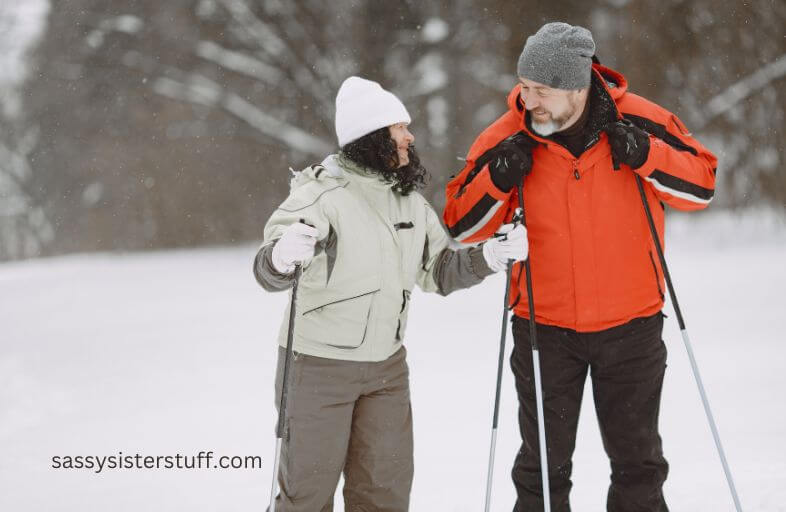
x=474 y=207
x=678 y=167
x=475 y=202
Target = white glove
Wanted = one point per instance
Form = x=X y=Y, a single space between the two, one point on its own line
x=296 y=245
x=512 y=245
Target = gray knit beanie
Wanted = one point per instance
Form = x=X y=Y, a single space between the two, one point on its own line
x=559 y=56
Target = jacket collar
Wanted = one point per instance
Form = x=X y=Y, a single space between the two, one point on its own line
x=332 y=166
x=352 y=170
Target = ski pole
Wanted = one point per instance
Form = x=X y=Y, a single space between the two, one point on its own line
x=533 y=336
x=686 y=340
x=282 y=409
x=500 y=363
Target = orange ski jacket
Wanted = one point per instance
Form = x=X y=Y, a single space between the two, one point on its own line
x=594 y=263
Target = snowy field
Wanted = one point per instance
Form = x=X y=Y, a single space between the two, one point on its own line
x=172 y=352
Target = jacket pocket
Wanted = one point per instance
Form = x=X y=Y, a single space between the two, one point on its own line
x=337 y=317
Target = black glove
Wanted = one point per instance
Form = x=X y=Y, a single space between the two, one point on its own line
x=629 y=144
x=511 y=161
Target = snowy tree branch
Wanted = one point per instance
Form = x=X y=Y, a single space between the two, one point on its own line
x=264 y=37
x=203 y=91
x=239 y=62
x=744 y=88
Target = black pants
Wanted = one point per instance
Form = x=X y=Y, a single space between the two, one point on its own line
x=626 y=364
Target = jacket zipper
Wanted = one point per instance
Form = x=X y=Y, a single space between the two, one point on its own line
x=576 y=170
x=405 y=295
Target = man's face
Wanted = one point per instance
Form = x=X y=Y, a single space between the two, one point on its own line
x=403 y=138
x=551 y=110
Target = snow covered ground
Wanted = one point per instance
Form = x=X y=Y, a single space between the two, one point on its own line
x=172 y=352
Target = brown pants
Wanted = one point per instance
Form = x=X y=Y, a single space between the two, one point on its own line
x=350 y=416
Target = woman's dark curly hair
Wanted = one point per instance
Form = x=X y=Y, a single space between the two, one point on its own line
x=377 y=151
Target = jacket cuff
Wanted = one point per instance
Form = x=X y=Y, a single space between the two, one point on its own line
x=478 y=263
x=492 y=188
x=653 y=155
x=266 y=274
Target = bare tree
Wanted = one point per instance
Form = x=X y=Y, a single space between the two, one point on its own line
x=719 y=65
x=24 y=227
x=164 y=124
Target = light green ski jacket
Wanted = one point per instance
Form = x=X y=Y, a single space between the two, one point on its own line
x=374 y=246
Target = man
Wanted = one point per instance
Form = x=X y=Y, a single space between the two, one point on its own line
x=365 y=237
x=580 y=139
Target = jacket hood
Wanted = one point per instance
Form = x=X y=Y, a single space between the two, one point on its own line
x=335 y=169
x=329 y=169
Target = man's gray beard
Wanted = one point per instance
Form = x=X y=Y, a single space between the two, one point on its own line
x=545 y=129
x=554 y=125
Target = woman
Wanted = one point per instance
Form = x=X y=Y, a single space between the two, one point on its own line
x=365 y=237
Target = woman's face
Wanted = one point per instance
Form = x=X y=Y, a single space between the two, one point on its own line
x=403 y=138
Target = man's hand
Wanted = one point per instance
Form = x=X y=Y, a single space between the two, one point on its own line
x=296 y=245
x=512 y=161
x=509 y=244
x=629 y=144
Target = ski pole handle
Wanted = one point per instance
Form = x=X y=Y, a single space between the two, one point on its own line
x=518 y=215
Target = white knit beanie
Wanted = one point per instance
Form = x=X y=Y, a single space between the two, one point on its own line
x=363 y=106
